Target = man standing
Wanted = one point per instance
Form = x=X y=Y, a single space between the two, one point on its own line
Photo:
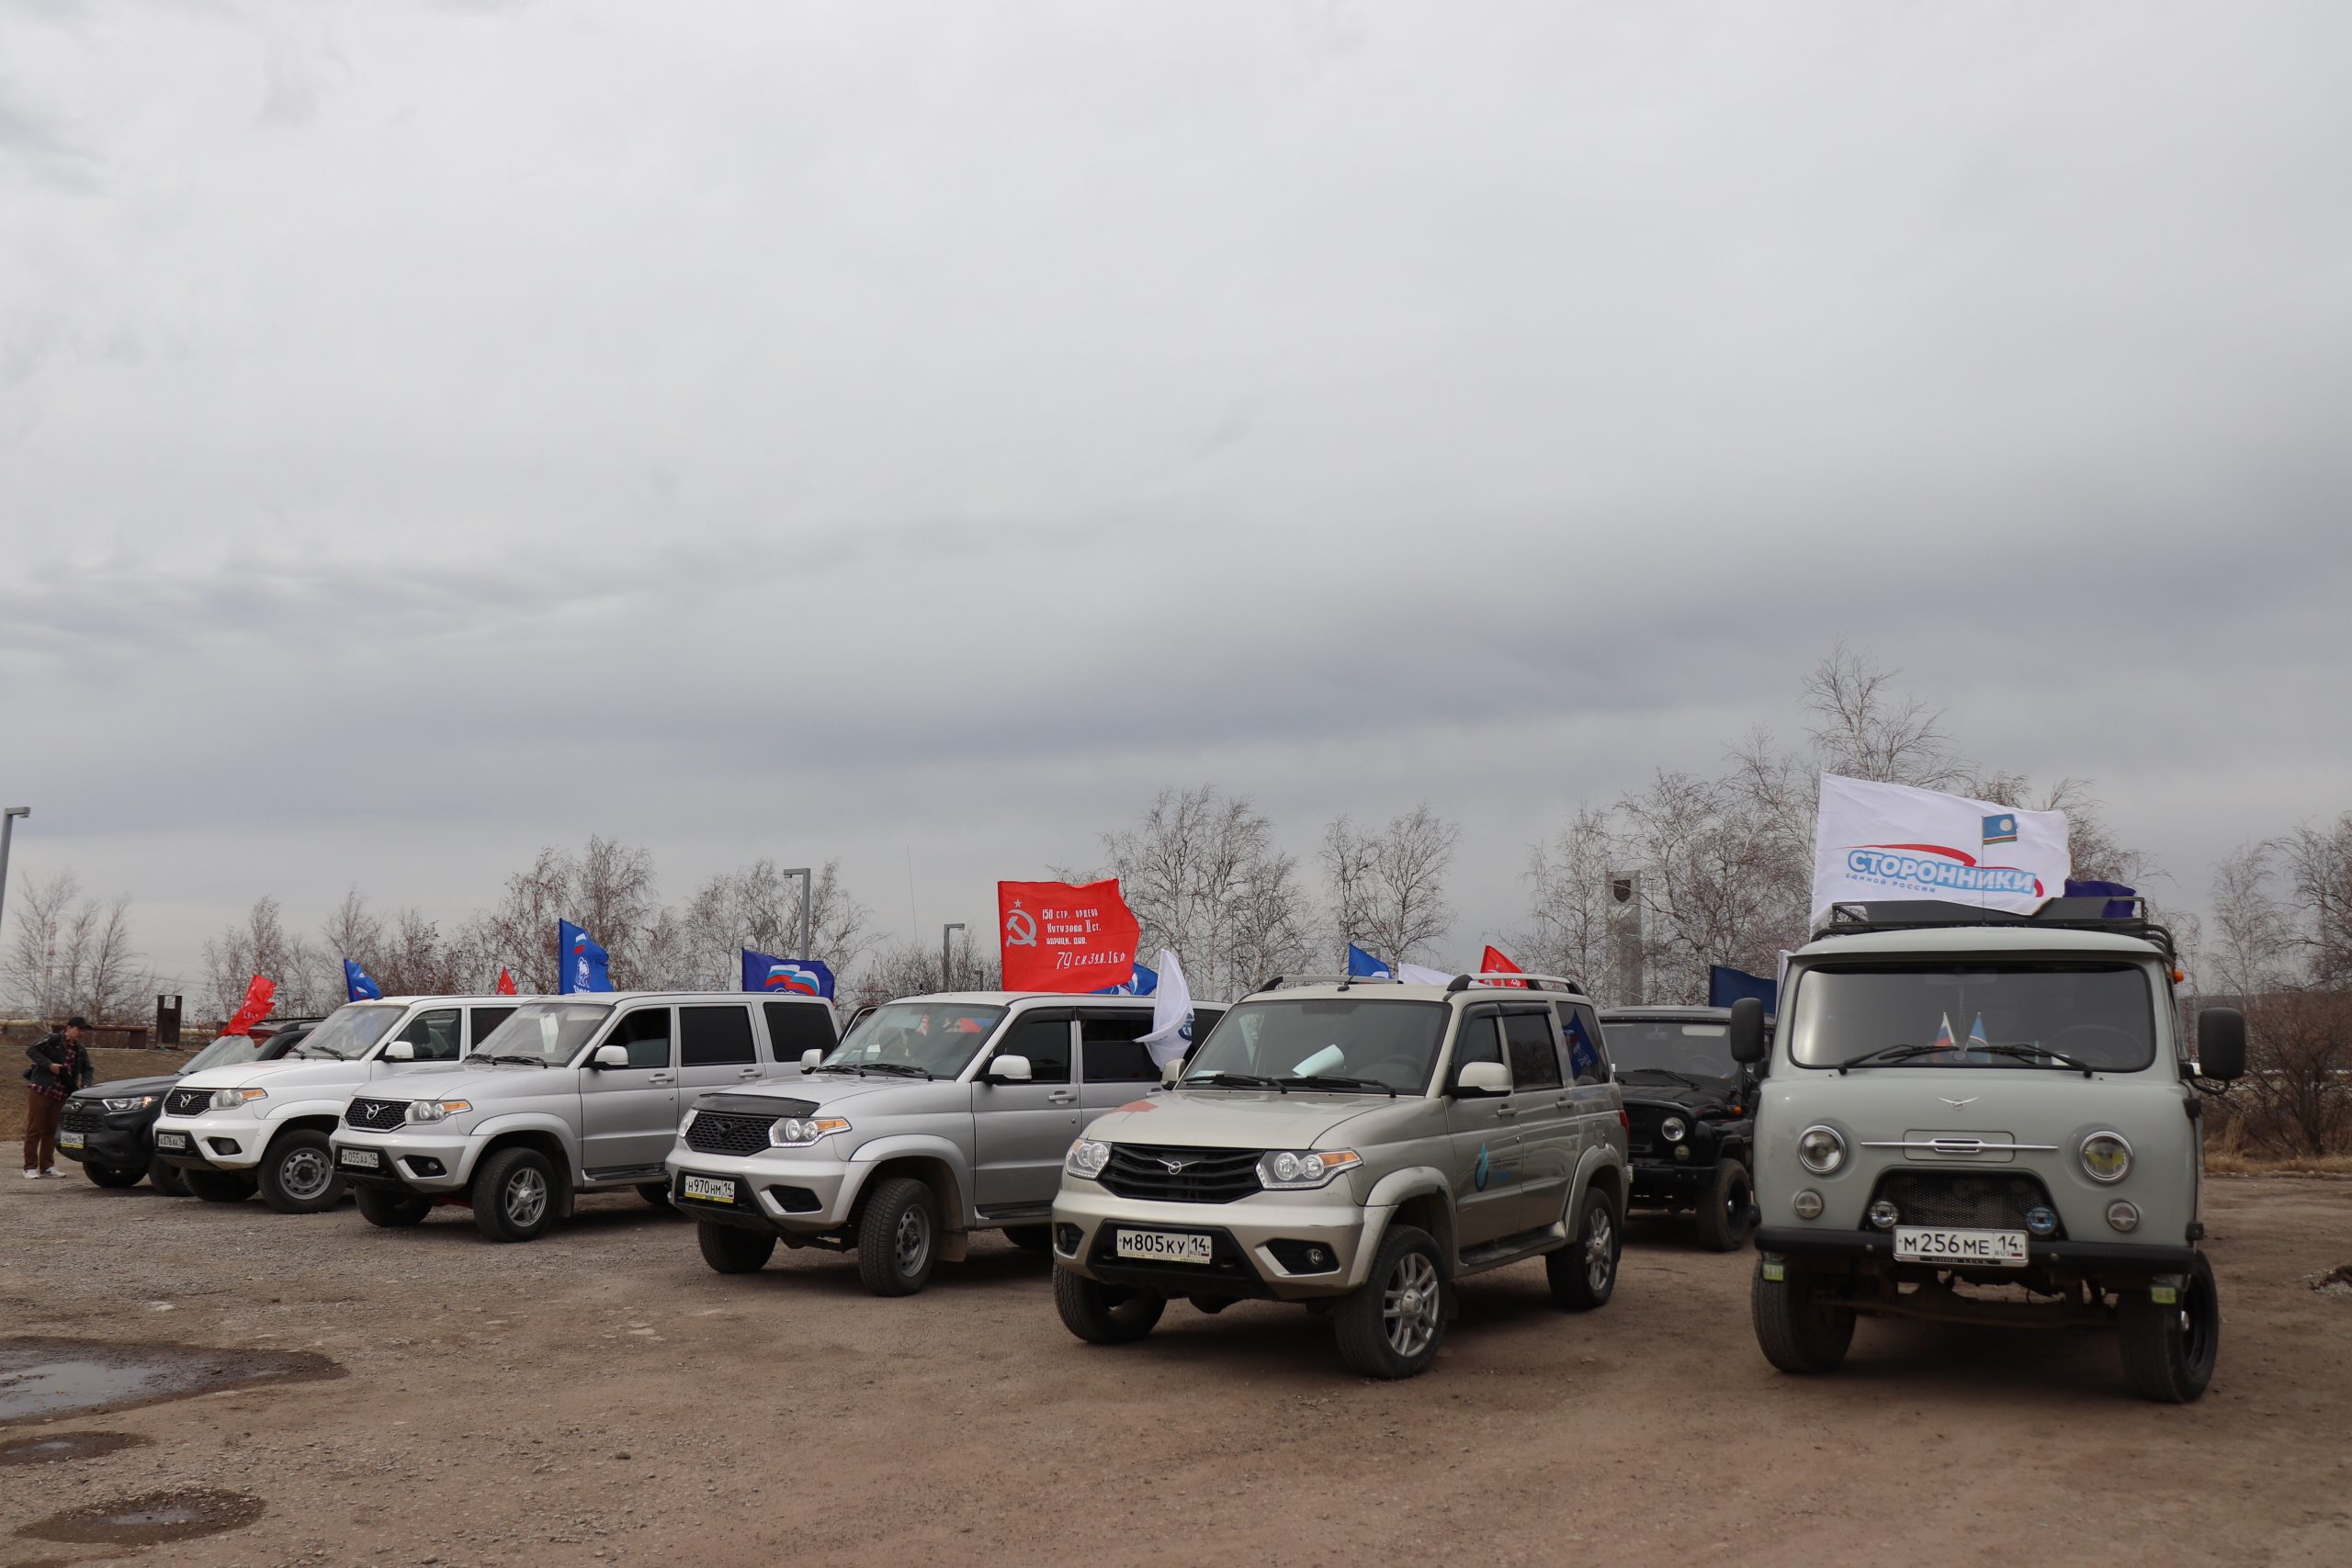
x=61 y=1064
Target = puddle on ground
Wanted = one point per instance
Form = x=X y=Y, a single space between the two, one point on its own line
x=65 y=1446
x=40 y=1379
x=150 y=1518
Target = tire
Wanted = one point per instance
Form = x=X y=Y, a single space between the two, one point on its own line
x=656 y=1194
x=1105 y=1314
x=1030 y=1239
x=897 y=1238
x=218 y=1186
x=1583 y=1274
x=730 y=1249
x=1796 y=1330
x=111 y=1175
x=1729 y=1214
x=392 y=1211
x=513 y=1195
x=166 y=1178
x=1393 y=1326
x=297 y=1174
x=2169 y=1350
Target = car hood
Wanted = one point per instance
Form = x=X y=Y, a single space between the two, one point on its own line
x=464 y=1080
x=1720 y=1094
x=291 y=1075
x=2044 y=1105
x=1234 y=1119
x=875 y=1095
x=125 y=1088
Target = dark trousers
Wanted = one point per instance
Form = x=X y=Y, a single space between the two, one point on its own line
x=42 y=1112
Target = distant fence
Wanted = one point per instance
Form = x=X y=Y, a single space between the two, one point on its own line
x=16 y=1036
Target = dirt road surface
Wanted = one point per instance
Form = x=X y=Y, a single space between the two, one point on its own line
x=600 y=1397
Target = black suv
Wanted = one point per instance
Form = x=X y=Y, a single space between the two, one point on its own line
x=110 y=1127
x=1691 y=1114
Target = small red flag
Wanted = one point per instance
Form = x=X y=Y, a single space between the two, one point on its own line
x=1495 y=960
x=256 y=1006
x=1057 y=936
x=505 y=983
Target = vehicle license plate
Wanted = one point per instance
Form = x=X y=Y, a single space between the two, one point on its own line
x=362 y=1159
x=711 y=1188
x=171 y=1140
x=68 y=1140
x=2000 y=1249
x=1164 y=1247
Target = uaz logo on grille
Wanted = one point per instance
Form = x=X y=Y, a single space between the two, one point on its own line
x=1178 y=1167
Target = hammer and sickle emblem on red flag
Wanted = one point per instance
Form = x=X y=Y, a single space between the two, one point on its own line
x=1020 y=928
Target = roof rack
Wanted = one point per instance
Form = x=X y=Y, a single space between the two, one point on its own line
x=2082 y=914
x=1507 y=978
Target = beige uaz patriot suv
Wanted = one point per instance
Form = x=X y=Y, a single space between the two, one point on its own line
x=1358 y=1147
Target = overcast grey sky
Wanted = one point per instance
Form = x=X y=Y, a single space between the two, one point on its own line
x=432 y=430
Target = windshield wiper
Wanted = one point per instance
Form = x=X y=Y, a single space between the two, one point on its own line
x=1241 y=1080
x=1667 y=1072
x=505 y=1056
x=1890 y=1054
x=2026 y=1051
x=903 y=1069
x=1338 y=1080
x=838 y=1067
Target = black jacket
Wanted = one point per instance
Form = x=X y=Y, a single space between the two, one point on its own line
x=54 y=1050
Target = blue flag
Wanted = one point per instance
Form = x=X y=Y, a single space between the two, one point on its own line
x=1145 y=982
x=585 y=965
x=2119 y=897
x=1362 y=965
x=786 y=977
x=1726 y=985
x=357 y=987
x=1584 y=1057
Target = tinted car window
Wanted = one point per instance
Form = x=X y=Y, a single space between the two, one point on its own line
x=1046 y=1041
x=1534 y=1060
x=434 y=1034
x=794 y=1027
x=715 y=1036
x=488 y=1019
x=1481 y=1042
x=646 y=1033
x=1587 y=1050
x=1114 y=1051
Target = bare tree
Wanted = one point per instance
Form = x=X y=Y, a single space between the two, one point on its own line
x=1203 y=875
x=1389 y=885
x=260 y=944
x=913 y=969
x=758 y=906
x=1569 y=917
x=69 y=954
x=39 y=953
x=1866 y=729
x=2318 y=861
x=607 y=889
x=1716 y=885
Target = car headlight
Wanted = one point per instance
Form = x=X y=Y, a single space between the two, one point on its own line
x=437 y=1109
x=1673 y=1129
x=1821 y=1150
x=230 y=1098
x=2105 y=1158
x=800 y=1131
x=1294 y=1170
x=686 y=1121
x=131 y=1102
x=1087 y=1158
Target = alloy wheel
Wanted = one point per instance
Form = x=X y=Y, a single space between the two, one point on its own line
x=527 y=1197
x=1599 y=1251
x=1409 y=1305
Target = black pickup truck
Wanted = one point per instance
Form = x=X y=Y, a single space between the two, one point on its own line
x=1690 y=1116
x=110 y=1127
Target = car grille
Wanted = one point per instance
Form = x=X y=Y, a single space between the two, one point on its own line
x=723 y=1133
x=80 y=1116
x=374 y=1115
x=188 y=1101
x=1963 y=1202
x=1204 y=1176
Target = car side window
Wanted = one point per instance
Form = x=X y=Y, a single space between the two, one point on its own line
x=1587 y=1056
x=1045 y=1041
x=716 y=1036
x=795 y=1028
x=1114 y=1048
x=487 y=1019
x=434 y=1034
x=645 y=1034
x=1534 y=1060
x=1480 y=1041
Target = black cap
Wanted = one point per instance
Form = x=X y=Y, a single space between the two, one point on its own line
x=78 y=1021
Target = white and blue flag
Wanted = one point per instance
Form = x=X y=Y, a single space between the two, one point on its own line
x=1171 y=1013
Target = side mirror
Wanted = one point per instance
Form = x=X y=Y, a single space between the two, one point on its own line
x=399 y=1051
x=2220 y=1044
x=810 y=1058
x=1479 y=1080
x=1172 y=1072
x=1747 y=1030
x=609 y=1056
x=1008 y=1069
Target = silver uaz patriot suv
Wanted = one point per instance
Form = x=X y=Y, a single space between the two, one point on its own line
x=1982 y=1117
x=1357 y=1146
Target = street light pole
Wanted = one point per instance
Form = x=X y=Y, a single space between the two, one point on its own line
x=946 y=946
x=807 y=892
x=8 y=815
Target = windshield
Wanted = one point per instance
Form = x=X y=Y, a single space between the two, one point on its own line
x=551 y=1032
x=347 y=1033
x=2100 y=1015
x=937 y=1038
x=1670 y=1045
x=228 y=1051
x=1391 y=1044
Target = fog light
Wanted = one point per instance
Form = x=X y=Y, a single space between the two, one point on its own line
x=2123 y=1216
x=1066 y=1240
x=1807 y=1204
x=2042 y=1221
x=1681 y=1151
x=1884 y=1215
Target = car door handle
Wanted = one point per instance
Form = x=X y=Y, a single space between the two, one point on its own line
x=748 y=1073
x=1506 y=1109
x=658 y=1079
x=1061 y=1097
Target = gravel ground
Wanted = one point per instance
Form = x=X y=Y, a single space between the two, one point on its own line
x=601 y=1397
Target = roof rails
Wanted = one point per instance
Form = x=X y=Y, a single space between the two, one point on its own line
x=1497 y=978
x=2085 y=914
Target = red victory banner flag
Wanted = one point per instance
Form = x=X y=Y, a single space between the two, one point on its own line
x=1059 y=936
x=254 y=1007
x=505 y=983
x=1495 y=960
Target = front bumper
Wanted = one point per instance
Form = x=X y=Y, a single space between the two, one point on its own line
x=1674 y=1178
x=1243 y=1235
x=1874 y=1248
x=118 y=1138
x=437 y=1166
x=214 y=1141
x=790 y=1193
